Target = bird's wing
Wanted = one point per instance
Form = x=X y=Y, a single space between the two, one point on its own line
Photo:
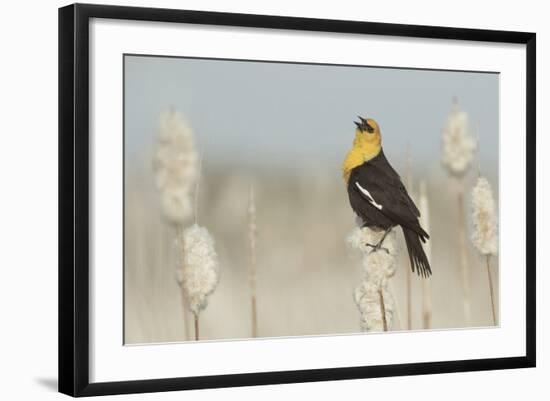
x=384 y=167
x=380 y=185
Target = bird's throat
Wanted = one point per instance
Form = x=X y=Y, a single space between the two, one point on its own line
x=359 y=154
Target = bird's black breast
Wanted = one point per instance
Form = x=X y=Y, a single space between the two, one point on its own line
x=387 y=203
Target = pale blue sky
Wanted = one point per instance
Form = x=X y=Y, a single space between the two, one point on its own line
x=279 y=115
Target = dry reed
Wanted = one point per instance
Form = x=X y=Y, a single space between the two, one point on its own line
x=484 y=236
x=252 y=237
x=458 y=148
x=175 y=167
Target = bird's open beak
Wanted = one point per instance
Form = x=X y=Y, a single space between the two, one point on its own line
x=358 y=124
x=365 y=124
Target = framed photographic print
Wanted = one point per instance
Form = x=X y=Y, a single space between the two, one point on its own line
x=251 y=199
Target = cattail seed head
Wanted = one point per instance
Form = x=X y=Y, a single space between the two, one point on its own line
x=484 y=215
x=372 y=297
x=458 y=145
x=368 y=300
x=175 y=163
x=198 y=272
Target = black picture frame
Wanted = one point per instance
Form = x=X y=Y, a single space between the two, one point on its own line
x=74 y=193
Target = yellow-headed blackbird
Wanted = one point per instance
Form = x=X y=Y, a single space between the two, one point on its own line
x=378 y=196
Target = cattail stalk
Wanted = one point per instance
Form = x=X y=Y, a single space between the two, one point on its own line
x=252 y=235
x=175 y=167
x=383 y=310
x=199 y=272
x=458 y=148
x=185 y=309
x=372 y=297
x=426 y=282
x=484 y=236
x=490 y=280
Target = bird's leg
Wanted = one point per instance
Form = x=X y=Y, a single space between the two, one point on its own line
x=378 y=246
x=384 y=236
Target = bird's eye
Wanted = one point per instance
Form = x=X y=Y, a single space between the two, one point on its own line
x=369 y=128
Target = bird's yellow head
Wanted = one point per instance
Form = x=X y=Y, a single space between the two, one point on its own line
x=367 y=135
x=366 y=145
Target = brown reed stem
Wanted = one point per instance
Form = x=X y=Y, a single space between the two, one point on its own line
x=465 y=276
x=185 y=315
x=491 y=290
x=383 y=310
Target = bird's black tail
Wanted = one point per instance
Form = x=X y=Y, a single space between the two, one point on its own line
x=416 y=253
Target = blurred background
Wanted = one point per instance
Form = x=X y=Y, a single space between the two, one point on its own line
x=284 y=129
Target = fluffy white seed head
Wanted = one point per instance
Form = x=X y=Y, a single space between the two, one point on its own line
x=368 y=301
x=359 y=237
x=458 y=145
x=354 y=239
x=378 y=267
x=198 y=272
x=484 y=215
x=175 y=163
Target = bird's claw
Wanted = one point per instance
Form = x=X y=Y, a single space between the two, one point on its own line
x=378 y=247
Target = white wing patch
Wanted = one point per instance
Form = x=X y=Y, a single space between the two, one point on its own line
x=371 y=199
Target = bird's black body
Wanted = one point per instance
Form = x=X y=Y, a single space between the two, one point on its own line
x=380 y=199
